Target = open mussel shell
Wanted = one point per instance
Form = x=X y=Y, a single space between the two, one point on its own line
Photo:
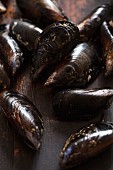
x=80 y=104
x=43 y=12
x=56 y=41
x=10 y=53
x=24 y=117
x=90 y=26
x=83 y=65
x=86 y=143
x=107 y=45
x=25 y=33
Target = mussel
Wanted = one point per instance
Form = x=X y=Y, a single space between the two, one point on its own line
x=2 y=8
x=86 y=143
x=107 y=44
x=43 y=12
x=25 y=33
x=10 y=53
x=4 y=77
x=80 y=104
x=83 y=66
x=56 y=41
x=24 y=116
x=90 y=26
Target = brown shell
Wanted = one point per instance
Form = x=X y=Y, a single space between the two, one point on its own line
x=4 y=78
x=80 y=104
x=25 y=33
x=56 y=41
x=43 y=12
x=90 y=26
x=86 y=143
x=82 y=66
x=10 y=53
x=107 y=45
x=24 y=116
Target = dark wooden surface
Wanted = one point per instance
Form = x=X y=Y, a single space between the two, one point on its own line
x=14 y=154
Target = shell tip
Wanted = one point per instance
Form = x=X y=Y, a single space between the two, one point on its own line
x=2 y=8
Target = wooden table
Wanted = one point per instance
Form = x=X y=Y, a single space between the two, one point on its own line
x=14 y=154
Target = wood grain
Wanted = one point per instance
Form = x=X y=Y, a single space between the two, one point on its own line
x=14 y=154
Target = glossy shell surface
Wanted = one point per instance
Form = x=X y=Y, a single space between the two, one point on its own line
x=43 y=12
x=56 y=42
x=90 y=26
x=26 y=34
x=83 y=66
x=2 y=8
x=10 y=53
x=80 y=104
x=86 y=143
x=24 y=116
x=107 y=44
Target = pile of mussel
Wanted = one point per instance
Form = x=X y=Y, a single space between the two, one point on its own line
x=75 y=54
